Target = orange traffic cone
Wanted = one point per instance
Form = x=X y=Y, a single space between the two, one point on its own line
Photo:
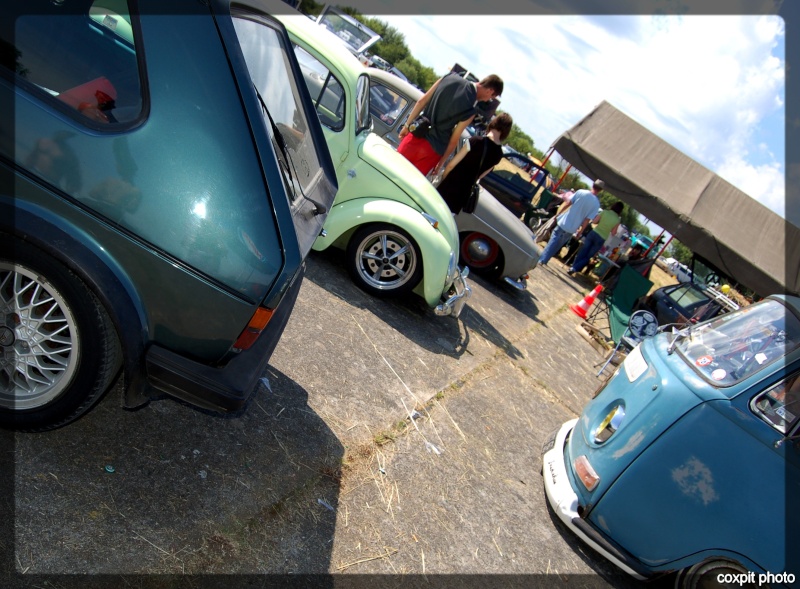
x=581 y=308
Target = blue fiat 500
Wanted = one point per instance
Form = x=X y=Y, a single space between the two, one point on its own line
x=688 y=458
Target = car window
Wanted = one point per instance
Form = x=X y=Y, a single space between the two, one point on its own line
x=735 y=346
x=687 y=296
x=347 y=31
x=780 y=405
x=385 y=103
x=327 y=92
x=84 y=64
x=270 y=71
x=363 y=118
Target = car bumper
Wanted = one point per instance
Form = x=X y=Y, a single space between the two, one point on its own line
x=459 y=293
x=520 y=283
x=564 y=501
x=226 y=388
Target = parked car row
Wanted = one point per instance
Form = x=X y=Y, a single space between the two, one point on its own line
x=138 y=205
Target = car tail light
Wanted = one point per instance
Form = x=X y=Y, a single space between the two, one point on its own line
x=254 y=328
x=586 y=473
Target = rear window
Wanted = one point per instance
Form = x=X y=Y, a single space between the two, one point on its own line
x=83 y=63
x=688 y=297
x=268 y=64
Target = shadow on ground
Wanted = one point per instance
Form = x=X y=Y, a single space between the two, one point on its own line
x=411 y=315
x=171 y=490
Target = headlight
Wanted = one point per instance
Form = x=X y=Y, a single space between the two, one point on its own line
x=609 y=425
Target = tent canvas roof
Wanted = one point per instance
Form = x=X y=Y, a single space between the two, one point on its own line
x=721 y=224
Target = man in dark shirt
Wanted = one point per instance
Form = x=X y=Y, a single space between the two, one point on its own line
x=450 y=106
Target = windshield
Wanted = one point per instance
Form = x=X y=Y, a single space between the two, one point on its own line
x=348 y=30
x=735 y=346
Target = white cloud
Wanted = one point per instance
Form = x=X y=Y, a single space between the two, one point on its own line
x=712 y=86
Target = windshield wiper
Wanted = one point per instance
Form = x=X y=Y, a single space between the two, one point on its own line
x=319 y=208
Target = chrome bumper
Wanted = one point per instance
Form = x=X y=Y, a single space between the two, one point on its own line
x=459 y=293
x=520 y=283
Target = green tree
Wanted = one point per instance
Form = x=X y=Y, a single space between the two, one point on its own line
x=680 y=252
x=310 y=7
x=520 y=140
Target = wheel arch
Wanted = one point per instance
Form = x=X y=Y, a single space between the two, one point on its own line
x=496 y=267
x=435 y=249
x=709 y=555
x=88 y=260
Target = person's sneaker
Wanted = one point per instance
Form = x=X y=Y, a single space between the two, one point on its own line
x=570 y=272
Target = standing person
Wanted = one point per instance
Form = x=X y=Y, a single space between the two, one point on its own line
x=470 y=165
x=606 y=224
x=450 y=106
x=573 y=216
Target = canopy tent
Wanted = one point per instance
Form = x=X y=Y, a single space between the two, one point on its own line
x=725 y=227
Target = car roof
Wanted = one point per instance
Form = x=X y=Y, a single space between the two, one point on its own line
x=323 y=40
x=391 y=80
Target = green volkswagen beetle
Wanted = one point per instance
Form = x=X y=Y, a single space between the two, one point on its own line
x=164 y=176
x=397 y=231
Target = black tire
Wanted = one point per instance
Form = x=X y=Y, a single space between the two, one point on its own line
x=59 y=351
x=482 y=254
x=384 y=260
x=704 y=575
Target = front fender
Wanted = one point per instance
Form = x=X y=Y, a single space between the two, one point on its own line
x=434 y=247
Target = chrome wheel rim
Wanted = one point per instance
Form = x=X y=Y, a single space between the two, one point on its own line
x=39 y=350
x=386 y=260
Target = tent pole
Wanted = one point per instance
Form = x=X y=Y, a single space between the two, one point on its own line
x=564 y=175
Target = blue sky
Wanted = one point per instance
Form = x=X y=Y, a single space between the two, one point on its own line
x=712 y=86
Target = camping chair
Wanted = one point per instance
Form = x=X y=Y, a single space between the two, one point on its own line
x=538 y=213
x=641 y=324
x=618 y=302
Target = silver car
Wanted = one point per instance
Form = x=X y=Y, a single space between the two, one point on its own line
x=494 y=242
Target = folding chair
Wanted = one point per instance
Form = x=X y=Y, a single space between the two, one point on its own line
x=641 y=324
x=618 y=302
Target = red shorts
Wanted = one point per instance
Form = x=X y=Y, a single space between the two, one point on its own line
x=419 y=152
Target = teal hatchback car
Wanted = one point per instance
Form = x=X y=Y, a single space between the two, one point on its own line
x=397 y=232
x=164 y=177
x=688 y=459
